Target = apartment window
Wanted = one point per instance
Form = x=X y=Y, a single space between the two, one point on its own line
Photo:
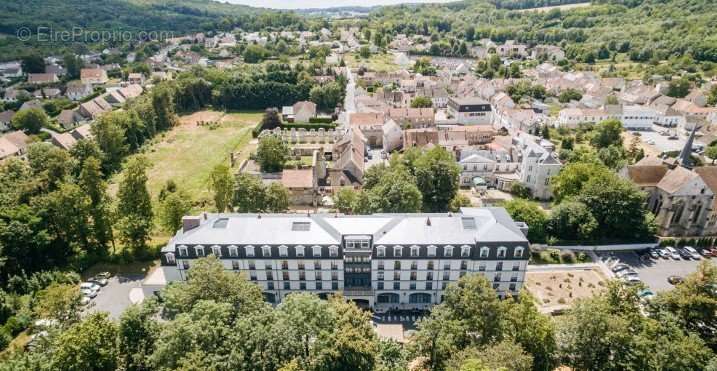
x=397 y=265
x=249 y=250
x=302 y=276
x=430 y=265
x=412 y=286
x=465 y=251
x=518 y=253
x=269 y=276
x=283 y=251
x=379 y=276
x=285 y=275
x=484 y=251
x=514 y=278
x=516 y=267
x=429 y=285
x=448 y=251
x=334 y=266
x=287 y=285
x=396 y=285
x=464 y=265
x=499 y=266
x=414 y=251
x=481 y=267
x=397 y=251
x=334 y=285
x=269 y=266
x=319 y=286
x=446 y=276
x=414 y=265
x=381 y=251
x=512 y=287
x=444 y=285
x=316 y=251
x=235 y=265
x=317 y=276
x=170 y=258
x=252 y=275
x=334 y=276
x=233 y=251
x=379 y=285
x=301 y=266
x=431 y=251
x=284 y=264
x=251 y=265
x=183 y=251
x=266 y=251
x=299 y=251
x=217 y=251
x=334 y=251
x=501 y=251
x=414 y=276
x=446 y=266
x=317 y=265
x=302 y=285
x=429 y=276
x=396 y=276
x=270 y=285
x=380 y=266
x=199 y=250
x=497 y=277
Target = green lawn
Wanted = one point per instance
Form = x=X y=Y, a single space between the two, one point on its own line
x=187 y=153
x=377 y=62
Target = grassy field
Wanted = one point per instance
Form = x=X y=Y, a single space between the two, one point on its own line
x=377 y=62
x=188 y=152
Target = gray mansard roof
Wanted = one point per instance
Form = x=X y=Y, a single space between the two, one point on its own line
x=470 y=226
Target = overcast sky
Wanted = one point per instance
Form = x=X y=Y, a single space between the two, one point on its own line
x=304 y=4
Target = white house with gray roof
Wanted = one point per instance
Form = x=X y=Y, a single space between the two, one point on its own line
x=538 y=163
x=380 y=261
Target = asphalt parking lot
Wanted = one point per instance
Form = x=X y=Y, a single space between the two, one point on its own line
x=654 y=272
x=114 y=298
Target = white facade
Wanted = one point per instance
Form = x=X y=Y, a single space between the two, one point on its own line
x=537 y=165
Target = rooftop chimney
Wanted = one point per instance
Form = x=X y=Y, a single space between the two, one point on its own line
x=190 y=222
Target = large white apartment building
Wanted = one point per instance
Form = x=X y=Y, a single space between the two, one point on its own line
x=386 y=261
x=538 y=163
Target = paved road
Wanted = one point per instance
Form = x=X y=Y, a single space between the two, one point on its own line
x=114 y=298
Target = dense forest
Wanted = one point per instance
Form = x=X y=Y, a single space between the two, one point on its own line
x=647 y=30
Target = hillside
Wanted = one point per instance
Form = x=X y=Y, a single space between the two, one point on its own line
x=178 y=16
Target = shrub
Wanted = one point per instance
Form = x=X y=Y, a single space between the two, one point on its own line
x=321 y=120
x=568 y=256
x=554 y=254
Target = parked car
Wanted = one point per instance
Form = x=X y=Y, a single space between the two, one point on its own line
x=632 y=280
x=706 y=252
x=105 y=275
x=88 y=293
x=620 y=267
x=654 y=254
x=90 y=286
x=692 y=253
x=674 y=280
x=673 y=252
x=626 y=273
x=684 y=254
x=99 y=280
x=663 y=253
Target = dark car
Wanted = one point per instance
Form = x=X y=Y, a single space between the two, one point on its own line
x=674 y=280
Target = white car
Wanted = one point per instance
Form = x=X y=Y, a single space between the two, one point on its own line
x=673 y=252
x=632 y=280
x=90 y=286
x=88 y=293
x=692 y=252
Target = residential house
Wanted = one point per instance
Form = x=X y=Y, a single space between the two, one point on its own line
x=480 y=166
x=302 y=186
x=69 y=118
x=420 y=137
x=538 y=163
x=511 y=49
x=63 y=140
x=82 y=132
x=470 y=111
x=94 y=108
x=77 y=90
x=413 y=117
x=13 y=144
x=93 y=76
x=31 y=104
x=42 y=78
x=136 y=78
x=6 y=120
x=571 y=117
x=370 y=125
x=349 y=156
x=392 y=136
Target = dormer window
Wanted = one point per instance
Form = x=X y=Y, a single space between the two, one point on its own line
x=283 y=251
x=199 y=250
x=183 y=251
x=170 y=258
x=397 y=251
x=432 y=251
x=266 y=251
x=448 y=251
x=381 y=251
x=465 y=251
x=299 y=251
x=233 y=251
x=316 y=251
x=484 y=251
x=518 y=252
x=217 y=251
x=333 y=251
x=415 y=251
x=502 y=251
x=249 y=250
